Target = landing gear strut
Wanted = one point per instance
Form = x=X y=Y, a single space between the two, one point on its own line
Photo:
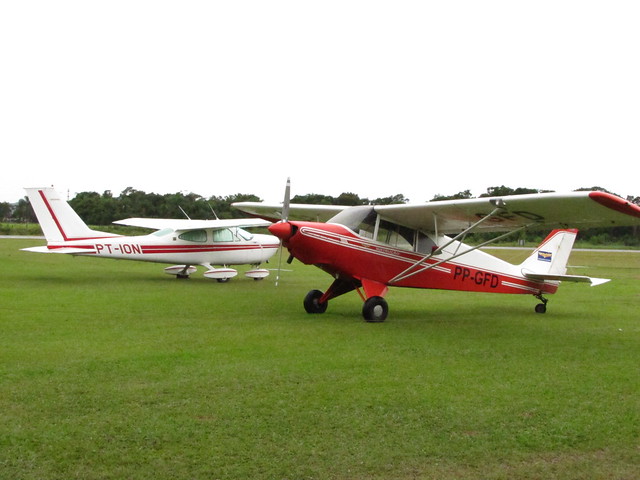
x=541 y=307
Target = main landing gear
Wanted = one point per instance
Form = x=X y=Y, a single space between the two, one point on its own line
x=374 y=310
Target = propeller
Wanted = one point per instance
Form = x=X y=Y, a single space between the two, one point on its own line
x=285 y=218
x=287 y=200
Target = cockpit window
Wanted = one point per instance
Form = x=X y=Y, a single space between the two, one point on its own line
x=367 y=223
x=243 y=234
x=194 y=236
x=163 y=232
x=355 y=217
x=395 y=235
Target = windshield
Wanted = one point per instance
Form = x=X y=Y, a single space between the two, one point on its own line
x=163 y=232
x=231 y=235
x=243 y=234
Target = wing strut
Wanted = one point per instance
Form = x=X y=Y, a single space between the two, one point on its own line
x=408 y=273
x=500 y=206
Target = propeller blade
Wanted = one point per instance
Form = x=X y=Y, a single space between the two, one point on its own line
x=287 y=199
x=285 y=217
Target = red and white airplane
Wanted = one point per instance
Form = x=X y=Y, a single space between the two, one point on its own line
x=371 y=248
x=184 y=242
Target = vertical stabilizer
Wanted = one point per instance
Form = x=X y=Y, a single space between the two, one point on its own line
x=59 y=222
x=552 y=255
x=548 y=262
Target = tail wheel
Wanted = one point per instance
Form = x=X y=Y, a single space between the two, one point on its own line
x=541 y=307
x=375 y=309
x=312 y=302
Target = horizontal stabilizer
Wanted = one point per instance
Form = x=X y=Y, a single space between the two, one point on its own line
x=67 y=250
x=566 y=278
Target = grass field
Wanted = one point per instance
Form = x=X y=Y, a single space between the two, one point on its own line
x=114 y=370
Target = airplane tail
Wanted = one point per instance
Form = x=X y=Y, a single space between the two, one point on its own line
x=549 y=260
x=59 y=222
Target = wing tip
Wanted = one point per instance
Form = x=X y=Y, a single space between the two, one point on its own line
x=616 y=203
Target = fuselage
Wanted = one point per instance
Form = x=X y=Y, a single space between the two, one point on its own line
x=232 y=246
x=341 y=252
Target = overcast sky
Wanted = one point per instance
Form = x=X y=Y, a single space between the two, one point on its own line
x=375 y=98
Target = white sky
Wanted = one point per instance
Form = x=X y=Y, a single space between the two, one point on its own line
x=371 y=97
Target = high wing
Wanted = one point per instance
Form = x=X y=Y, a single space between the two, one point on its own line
x=299 y=211
x=185 y=224
x=545 y=210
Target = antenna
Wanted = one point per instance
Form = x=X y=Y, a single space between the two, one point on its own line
x=213 y=211
x=185 y=213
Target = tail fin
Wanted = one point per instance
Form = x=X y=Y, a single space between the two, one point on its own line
x=549 y=260
x=59 y=222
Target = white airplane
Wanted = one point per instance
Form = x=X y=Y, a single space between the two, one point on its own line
x=371 y=248
x=183 y=242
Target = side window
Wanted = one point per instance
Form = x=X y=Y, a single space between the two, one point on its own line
x=223 y=235
x=395 y=235
x=424 y=243
x=194 y=236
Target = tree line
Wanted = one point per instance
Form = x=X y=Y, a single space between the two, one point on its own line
x=103 y=209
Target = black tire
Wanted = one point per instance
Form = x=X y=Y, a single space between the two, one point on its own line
x=312 y=304
x=541 y=308
x=375 y=309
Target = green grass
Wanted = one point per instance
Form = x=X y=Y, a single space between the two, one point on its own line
x=112 y=370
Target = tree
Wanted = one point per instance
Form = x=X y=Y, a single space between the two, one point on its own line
x=313 y=198
x=348 y=198
x=93 y=208
x=23 y=211
x=5 y=210
x=503 y=191
x=392 y=200
x=458 y=196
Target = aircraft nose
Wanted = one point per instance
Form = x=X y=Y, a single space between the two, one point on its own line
x=282 y=230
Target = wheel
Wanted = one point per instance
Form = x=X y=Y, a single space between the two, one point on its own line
x=223 y=280
x=375 y=309
x=312 y=303
x=541 y=308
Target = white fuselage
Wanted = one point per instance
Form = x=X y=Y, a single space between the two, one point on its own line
x=202 y=247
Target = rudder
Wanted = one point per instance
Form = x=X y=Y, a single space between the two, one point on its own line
x=59 y=222
x=552 y=255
